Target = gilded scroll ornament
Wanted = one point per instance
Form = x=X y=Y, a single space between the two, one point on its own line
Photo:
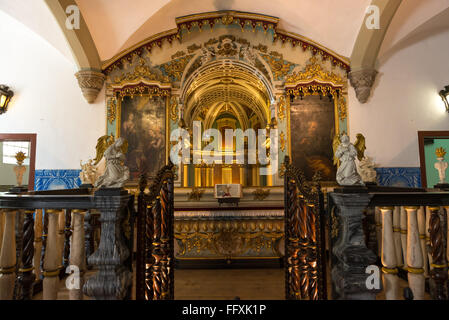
x=279 y=66
x=176 y=67
x=342 y=108
x=314 y=71
x=112 y=110
x=228 y=238
x=282 y=141
x=141 y=72
x=281 y=108
x=261 y=194
x=195 y=195
x=174 y=108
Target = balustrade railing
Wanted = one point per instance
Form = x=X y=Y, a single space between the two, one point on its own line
x=305 y=259
x=412 y=241
x=42 y=238
x=155 y=238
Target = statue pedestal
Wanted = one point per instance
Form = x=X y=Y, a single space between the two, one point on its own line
x=113 y=279
x=352 y=257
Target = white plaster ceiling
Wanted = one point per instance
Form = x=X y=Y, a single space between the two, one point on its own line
x=37 y=17
x=116 y=25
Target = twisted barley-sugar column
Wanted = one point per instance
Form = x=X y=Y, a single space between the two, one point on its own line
x=422 y=238
x=37 y=243
x=429 y=253
x=61 y=232
x=438 y=274
x=378 y=221
x=403 y=226
x=415 y=259
x=53 y=257
x=8 y=257
x=2 y=226
x=397 y=236
x=77 y=253
x=67 y=235
x=389 y=270
x=26 y=276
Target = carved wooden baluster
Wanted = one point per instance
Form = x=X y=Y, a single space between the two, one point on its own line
x=88 y=236
x=53 y=257
x=8 y=257
x=148 y=254
x=26 y=277
x=67 y=235
x=2 y=227
x=312 y=252
x=44 y=243
x=429 y=253
x=397 y=236
x=37 y=243
x=157 y=252
x=140 y=245
x=301 y=221
x=390 y=271
x=422 y=238
x=403 y=224
x=438 y=274
x=378 y=220
x=171 y=227
x=292 y=285
x=415 y=260
x=61 y=235
x=165 y=246
x=77 y=253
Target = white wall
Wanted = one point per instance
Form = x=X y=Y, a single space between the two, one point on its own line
x=48 y=100
x=404 y=101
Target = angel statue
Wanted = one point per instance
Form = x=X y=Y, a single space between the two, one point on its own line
x=346 y=153
x=88 y=173
x=116 y=173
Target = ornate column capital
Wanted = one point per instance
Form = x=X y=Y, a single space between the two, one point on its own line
x=362 y=81
x=91 y=82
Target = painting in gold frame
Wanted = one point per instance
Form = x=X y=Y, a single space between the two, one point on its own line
x=143 y=121
x=312 y=123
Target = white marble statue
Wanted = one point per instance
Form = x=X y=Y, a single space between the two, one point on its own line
x=206 y=55
x=88 y=173
x=116 y=173
x=367 y=171
x=441 y=165
x=248 y=55
x=347 y=174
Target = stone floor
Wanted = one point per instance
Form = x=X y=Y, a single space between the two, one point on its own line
x=226 y=284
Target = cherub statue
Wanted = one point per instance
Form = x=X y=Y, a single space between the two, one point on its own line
x=88 y=173
x=367 y=171
x=346 y=153
x=116 y=173
x=248 y=55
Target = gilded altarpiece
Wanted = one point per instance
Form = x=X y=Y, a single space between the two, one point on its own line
x=286 y=67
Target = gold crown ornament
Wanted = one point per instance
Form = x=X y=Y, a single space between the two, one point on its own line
x=20 y=156
x=440 y=152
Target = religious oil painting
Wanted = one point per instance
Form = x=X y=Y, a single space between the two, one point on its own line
x=143 y=124
x=312 y=122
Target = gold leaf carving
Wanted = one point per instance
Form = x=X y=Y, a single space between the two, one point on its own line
x=141 y=72
x=282 y=141
x=314 y=71
x=174 y=108
x=281 y=108
x=112 y=113
x=279 y=66
x=175 y=68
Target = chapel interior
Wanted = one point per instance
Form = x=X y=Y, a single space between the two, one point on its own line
x=197 y=148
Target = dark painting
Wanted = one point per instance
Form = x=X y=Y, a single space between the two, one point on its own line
x=143 y=126
x=312 y=124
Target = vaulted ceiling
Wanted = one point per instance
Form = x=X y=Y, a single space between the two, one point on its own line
x=119 y=24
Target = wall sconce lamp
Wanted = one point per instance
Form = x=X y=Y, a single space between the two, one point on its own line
x=5 y=97
x=445 y=96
